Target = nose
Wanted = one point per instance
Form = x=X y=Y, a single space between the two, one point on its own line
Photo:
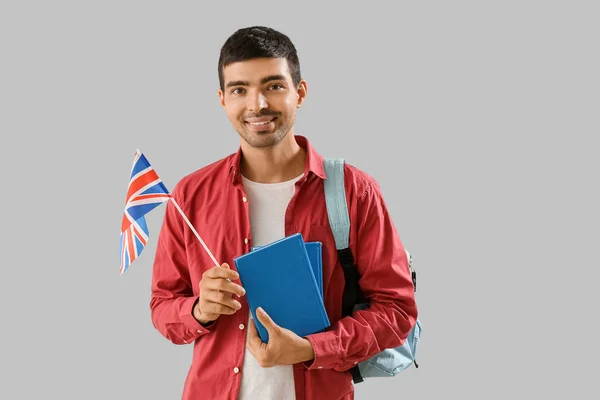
x=257 y=102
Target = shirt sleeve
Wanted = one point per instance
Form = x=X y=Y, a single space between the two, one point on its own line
x=173 y=296
x=385 y=280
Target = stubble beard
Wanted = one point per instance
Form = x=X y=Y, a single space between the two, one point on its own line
x=265 y=139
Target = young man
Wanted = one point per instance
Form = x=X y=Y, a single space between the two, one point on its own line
x=270 y=188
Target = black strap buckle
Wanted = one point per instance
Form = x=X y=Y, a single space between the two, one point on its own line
x=356 y=376
x=414 y=279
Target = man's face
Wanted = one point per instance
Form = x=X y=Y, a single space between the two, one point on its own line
x=260 y=99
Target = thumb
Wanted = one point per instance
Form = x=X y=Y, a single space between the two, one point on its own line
x=266 y=320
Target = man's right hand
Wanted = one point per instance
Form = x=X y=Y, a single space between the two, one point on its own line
x=216 y=294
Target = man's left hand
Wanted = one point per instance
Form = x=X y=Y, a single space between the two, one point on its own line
x=284 y=347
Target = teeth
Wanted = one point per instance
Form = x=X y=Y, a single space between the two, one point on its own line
x=259 y=123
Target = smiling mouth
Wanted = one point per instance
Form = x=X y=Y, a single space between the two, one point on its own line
x=261 y=123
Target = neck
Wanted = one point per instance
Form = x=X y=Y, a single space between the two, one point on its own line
x=279 y=163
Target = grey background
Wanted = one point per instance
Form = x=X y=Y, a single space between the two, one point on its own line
x=478 y=119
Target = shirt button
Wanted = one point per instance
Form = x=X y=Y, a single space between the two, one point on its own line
x=355 y=362
x=184 y=341
x=241 y=326
x=199 y=331
x=320 y=366
x=244 y=199
x=246 y=240
x=236 y=370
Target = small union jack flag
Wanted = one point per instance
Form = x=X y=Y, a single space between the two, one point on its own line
x=145 y=192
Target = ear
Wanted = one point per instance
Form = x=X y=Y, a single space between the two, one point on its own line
x=221 y=98
x=302 y=90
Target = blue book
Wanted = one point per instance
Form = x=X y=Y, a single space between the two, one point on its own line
x=315 y=255
x=314 y=250
x=279 y=278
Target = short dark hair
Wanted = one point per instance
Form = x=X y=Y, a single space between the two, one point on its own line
x=259 y=41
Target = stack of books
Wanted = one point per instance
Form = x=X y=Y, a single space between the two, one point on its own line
x=285 y=278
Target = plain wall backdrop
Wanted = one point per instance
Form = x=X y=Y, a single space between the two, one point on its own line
x=478 y=119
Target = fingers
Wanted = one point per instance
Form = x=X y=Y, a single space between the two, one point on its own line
x=216 y=292
x=224 y=299
x=217 y=278
x=214 y=303
x=211 y=307
x=226 y=286
x=223 y=272
x=230 y=287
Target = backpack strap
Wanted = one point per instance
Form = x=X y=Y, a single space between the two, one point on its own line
x=335 y=197
x=339 y=220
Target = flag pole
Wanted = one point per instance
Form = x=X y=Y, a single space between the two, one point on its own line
x=195 y=233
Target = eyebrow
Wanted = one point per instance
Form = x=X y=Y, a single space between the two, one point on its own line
x=262 y=81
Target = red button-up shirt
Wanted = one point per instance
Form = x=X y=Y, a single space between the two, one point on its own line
x=214 y=200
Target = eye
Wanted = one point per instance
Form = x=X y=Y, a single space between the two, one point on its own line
x=237 y=91
x=276 y=86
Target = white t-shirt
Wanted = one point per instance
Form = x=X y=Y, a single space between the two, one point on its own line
x=268 y=203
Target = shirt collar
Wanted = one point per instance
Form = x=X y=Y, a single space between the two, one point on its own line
x=314 y=161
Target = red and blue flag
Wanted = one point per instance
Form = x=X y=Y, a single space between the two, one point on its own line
x=145 y=192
